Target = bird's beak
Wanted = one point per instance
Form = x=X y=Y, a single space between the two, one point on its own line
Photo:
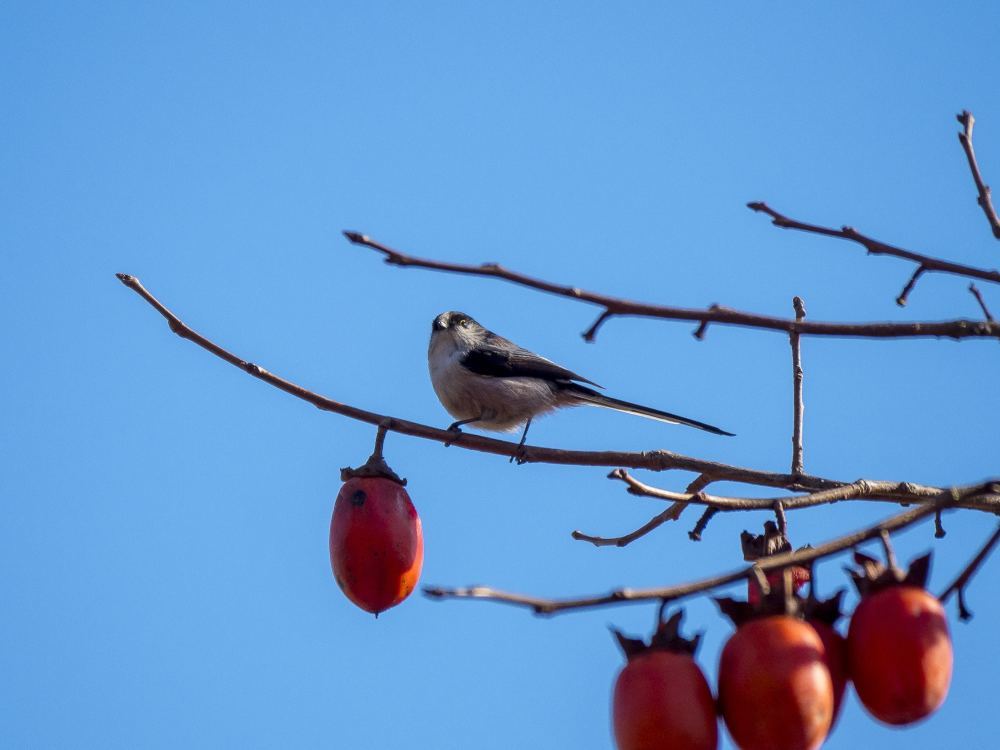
x=439 y=323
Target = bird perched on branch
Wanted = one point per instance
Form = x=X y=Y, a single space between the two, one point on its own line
x=486 y=380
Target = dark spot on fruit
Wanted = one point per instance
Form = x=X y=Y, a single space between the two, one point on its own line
x=358 y=498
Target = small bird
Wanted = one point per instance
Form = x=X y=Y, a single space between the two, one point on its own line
x=486 y=380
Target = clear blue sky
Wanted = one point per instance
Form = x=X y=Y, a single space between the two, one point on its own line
x=165 y=579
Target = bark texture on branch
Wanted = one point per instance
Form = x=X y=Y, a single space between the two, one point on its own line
x=542 y=606
x=614 y=306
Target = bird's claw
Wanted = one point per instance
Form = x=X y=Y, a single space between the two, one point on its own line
x=457 y=434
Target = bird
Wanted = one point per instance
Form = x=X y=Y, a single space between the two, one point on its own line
x=483 y=379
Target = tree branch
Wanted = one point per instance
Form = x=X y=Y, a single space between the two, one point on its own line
x=959 y=585
x=875 y=247
x=985 y=202
x=670 y=514
x=982 y=303
x=613 y=306
x=945 y=499
x=863 y=489
x=798 y=405
x=905 y=294
x=656 y=460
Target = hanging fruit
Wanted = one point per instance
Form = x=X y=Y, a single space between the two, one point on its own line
x=775 y=689
x=376 y=541
x=661 y=698
x=899 y=648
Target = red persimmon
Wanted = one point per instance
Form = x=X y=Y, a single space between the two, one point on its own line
x=376 y=543
x=661 y=699
x=775 y=691
x=900 y=653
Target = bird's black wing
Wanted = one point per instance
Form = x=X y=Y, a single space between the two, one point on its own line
x=499 y=358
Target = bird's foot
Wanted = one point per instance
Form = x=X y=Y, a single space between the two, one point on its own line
x=457 y=432
x=520 y=455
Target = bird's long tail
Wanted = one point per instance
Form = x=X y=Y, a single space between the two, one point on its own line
x=586 y=395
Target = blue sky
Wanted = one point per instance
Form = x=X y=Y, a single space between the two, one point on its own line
x=164 y=546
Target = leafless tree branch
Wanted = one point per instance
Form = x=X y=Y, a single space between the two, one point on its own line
x=875 y=247
x=699 y=528
x=945 y=499
x=982 y=303
x=984 y=200
x=863 y=489
x=670 y=514
x=959 y=584
x=905 y=294
x=955 y=329
x=798 y=404
x=656 y=460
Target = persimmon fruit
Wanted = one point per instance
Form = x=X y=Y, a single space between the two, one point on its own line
x=775 y=690
x=900 y=654
x=376 y=540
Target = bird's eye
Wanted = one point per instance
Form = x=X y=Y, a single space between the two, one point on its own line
x=464 y=322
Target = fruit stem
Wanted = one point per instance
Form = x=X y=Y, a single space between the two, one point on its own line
x=762 y=582
x=376 y=465
x=890 y=555
x=383 y=427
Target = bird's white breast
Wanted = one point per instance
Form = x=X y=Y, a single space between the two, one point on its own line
x=504 y=403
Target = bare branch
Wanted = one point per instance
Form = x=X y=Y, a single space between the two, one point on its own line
x=590 y=335
x=656 y=460
x=945 y=499
x=960 y=583
x=982 y=303
x=955 y=329
x=985 y=202
x=890 y=553
x=798 y=405
x=939 y=532
x=905 y=294
x=670 y=514
x=863 y=489
x=875 y=247
x=699 y=528
x=780 y=518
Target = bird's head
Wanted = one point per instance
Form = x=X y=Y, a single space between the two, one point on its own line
x=457 y=327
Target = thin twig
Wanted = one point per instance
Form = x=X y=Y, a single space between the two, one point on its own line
x=959 y=584
x=542 y=606
x=890 y=553
x=780 y=518
x=798 y=406
x=656 y=460
x=863 y=489
x=955 y=329
x=982 y=303
x=670 y=514
x=985 y=202
x=905 y=294
x=939 y=532
x=875 y=247
x=699 y=528
x=760 y=579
